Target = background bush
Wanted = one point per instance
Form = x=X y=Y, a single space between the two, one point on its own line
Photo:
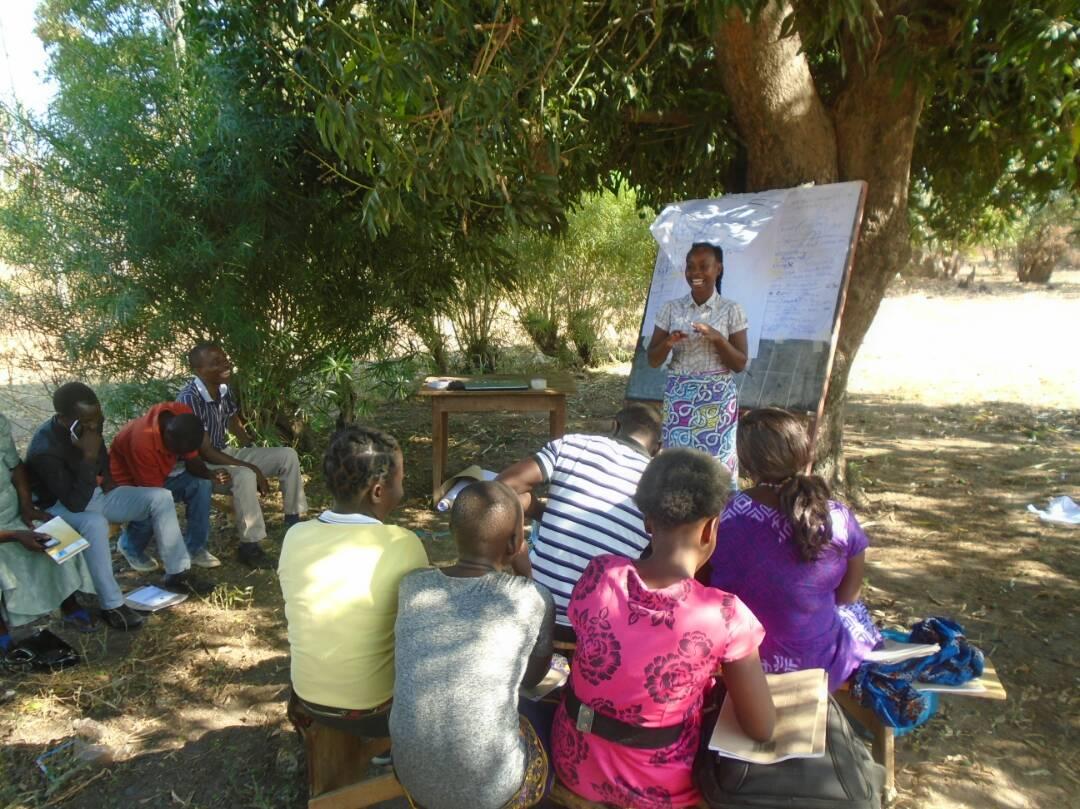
x=579 y=288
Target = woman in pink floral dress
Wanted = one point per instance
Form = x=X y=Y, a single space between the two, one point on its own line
x=650 y=641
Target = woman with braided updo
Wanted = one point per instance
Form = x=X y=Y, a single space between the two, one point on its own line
x=339 y=576
x=705 y=336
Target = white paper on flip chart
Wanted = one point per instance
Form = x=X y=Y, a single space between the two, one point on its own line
x=740 y=225
x=813 y=238
x=784 y=256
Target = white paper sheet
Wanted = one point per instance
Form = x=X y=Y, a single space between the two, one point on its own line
x=784 y=256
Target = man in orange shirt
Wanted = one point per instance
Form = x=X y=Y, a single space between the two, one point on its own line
x=146 y=453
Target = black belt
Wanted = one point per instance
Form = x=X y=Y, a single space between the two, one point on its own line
x=589 y=721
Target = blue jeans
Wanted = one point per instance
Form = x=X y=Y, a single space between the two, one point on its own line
x=194 y=493
x=94 y=528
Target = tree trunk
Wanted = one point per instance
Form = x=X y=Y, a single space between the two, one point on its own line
x=875 y=132
x=788 y=135
x=791 y=138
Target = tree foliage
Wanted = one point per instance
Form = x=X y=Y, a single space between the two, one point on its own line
x=1000 y=132
x=511 y=110
x=1042 y=238
x=178 y=191
x=584 y=285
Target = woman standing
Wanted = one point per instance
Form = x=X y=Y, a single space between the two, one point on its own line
x=705 y=335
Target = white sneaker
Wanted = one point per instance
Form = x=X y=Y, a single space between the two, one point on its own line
x=205 y=559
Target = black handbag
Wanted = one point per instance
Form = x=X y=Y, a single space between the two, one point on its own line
x=42 y=651
x=846 y=777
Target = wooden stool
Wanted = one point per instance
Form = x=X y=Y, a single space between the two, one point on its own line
x=884 y=737
x=337 y=763
x=565 y=649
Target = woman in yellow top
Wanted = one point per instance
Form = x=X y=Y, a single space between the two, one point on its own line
x=339 y=575
x=705 y=335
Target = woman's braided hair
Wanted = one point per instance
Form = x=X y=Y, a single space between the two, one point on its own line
x=774 y=447
x=358 y=458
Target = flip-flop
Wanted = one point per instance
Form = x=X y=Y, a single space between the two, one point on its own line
x=81 y=621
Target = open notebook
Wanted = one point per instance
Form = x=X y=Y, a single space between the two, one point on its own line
x=802 y=706
x=151 y=599
x=68 y=541
x=451 y=487
x=895 y=651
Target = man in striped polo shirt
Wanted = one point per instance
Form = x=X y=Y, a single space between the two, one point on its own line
x=208 y=394
x=590 y=511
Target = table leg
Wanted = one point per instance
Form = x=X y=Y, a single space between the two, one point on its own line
x=557 y=419
x=884 y=737
x=440 y=421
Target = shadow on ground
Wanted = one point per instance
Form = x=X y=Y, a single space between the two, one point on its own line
x=947 y=490
x=194 y=703
x=226 y=767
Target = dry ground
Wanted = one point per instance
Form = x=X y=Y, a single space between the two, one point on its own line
x=965 y=408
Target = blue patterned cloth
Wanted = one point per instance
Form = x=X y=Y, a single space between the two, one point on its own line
x=891 y=690
x=701 y=411
x=957 y=662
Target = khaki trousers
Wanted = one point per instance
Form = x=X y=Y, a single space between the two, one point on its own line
x=274 y=462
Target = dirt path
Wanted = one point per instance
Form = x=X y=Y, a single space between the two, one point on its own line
x=949 y=451
x=997 y=341
x=966 y=407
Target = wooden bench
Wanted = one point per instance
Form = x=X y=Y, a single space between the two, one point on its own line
x=884 y=736
x=337 y=766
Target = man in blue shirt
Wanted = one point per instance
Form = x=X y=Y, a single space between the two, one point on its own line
x=209 y=396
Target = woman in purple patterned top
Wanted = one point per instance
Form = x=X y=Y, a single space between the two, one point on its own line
x=794 y=556
x=650 y=641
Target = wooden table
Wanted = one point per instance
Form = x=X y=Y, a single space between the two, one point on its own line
x=551 y=400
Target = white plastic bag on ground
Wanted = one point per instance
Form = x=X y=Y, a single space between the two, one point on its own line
x=1061 y=510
